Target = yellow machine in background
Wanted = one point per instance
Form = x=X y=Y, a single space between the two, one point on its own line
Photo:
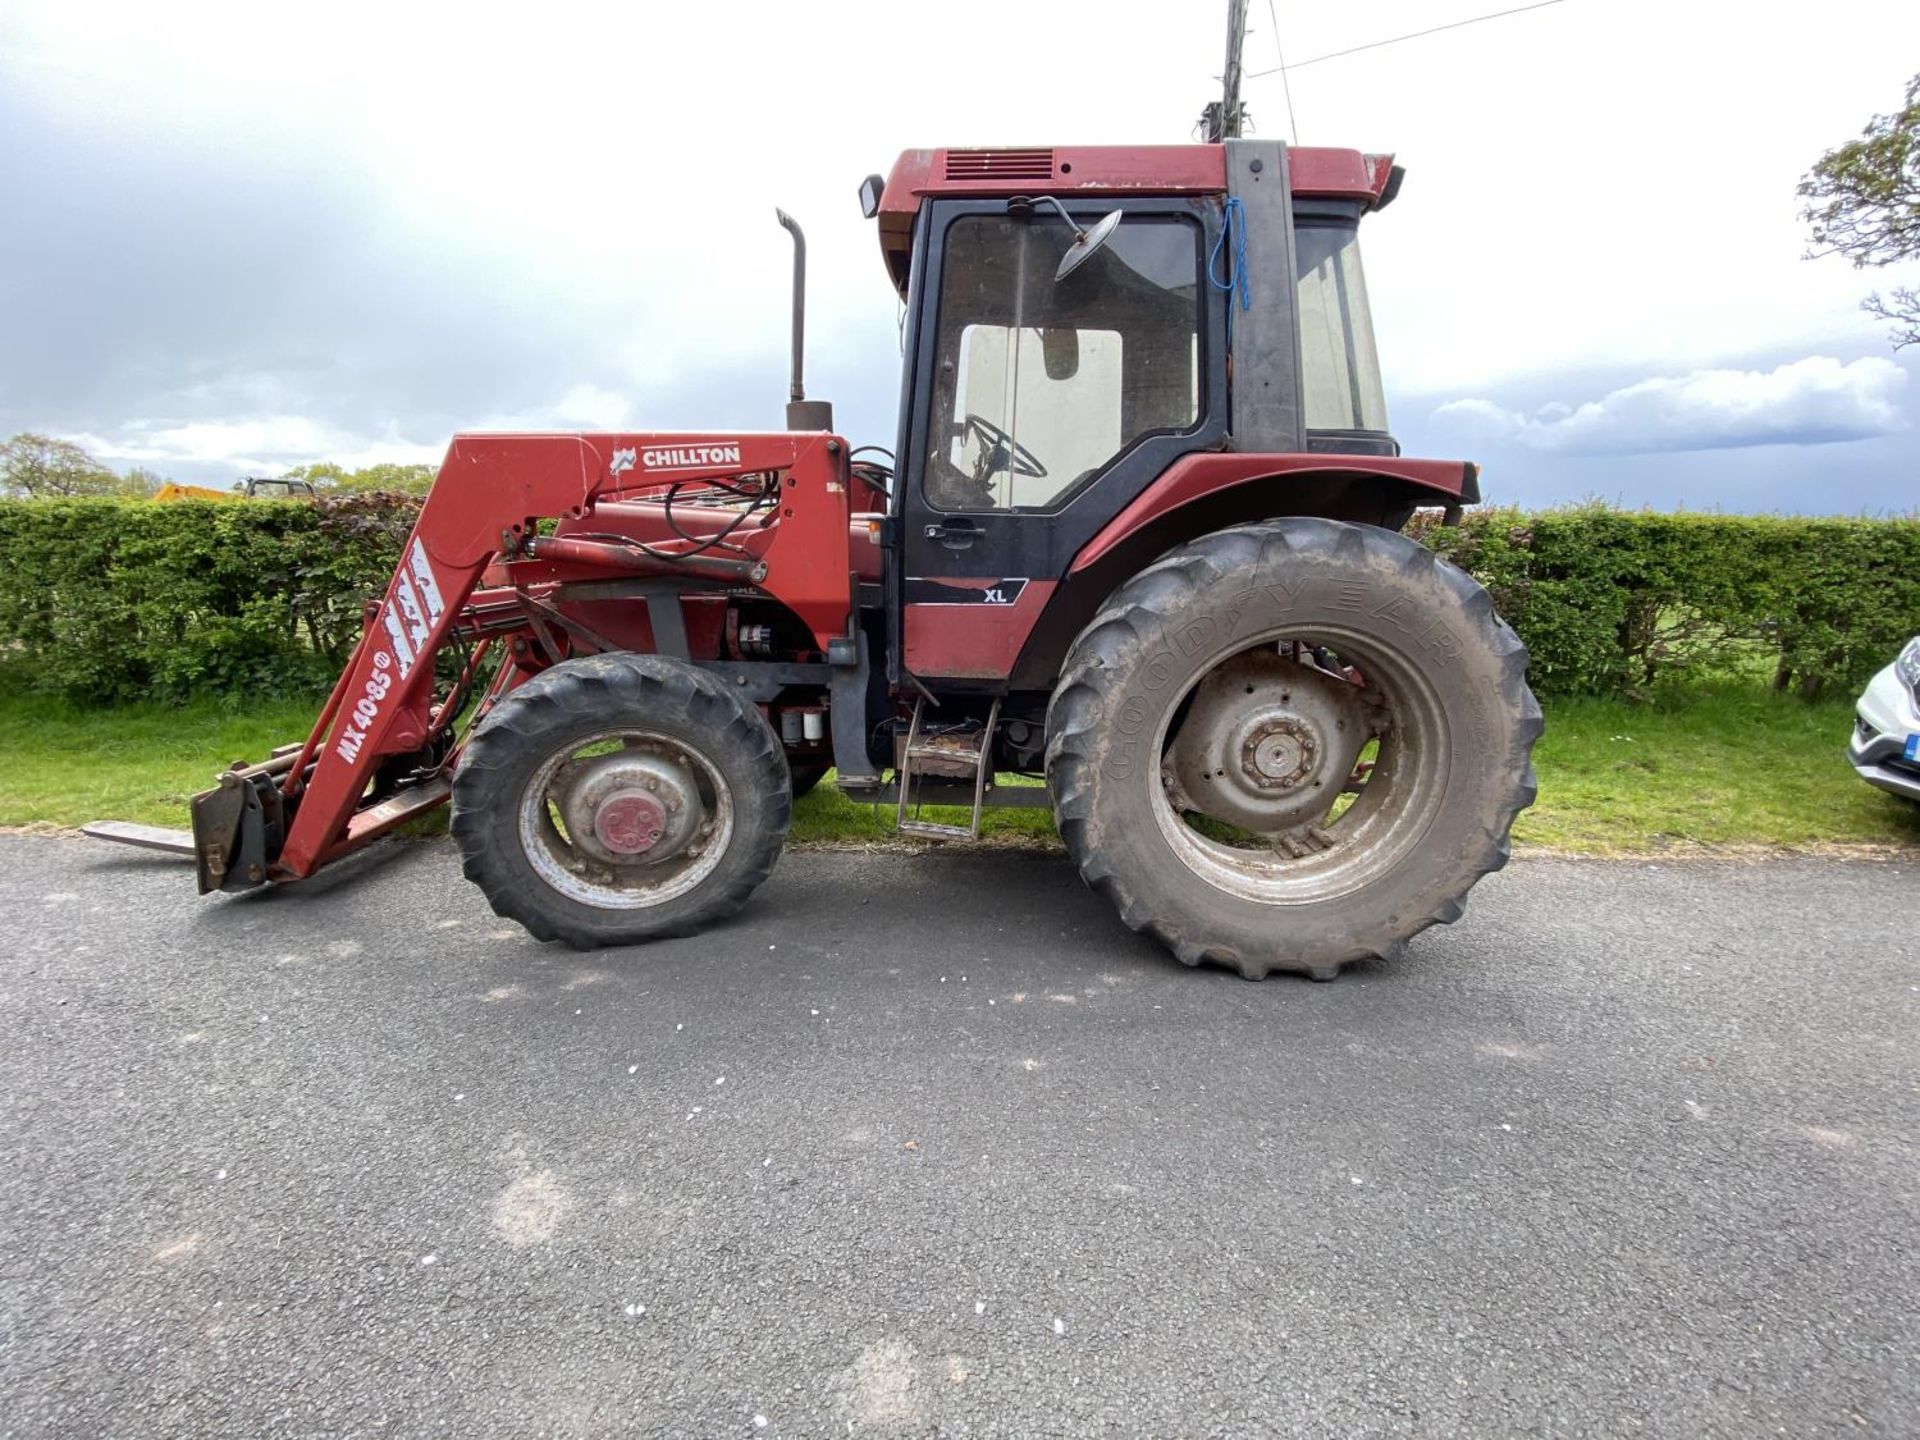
x=174 y=490
x=248 y=489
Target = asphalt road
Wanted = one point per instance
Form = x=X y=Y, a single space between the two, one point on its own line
x=932 y=1144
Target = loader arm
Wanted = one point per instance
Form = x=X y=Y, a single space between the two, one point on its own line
x=286 y=817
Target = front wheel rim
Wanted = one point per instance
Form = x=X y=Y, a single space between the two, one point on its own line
x=645 y=850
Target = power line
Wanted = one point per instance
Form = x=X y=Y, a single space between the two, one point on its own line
x=1286 y=89
x=1415 y=35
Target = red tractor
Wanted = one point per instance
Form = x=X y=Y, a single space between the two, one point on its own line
x=1138 y=537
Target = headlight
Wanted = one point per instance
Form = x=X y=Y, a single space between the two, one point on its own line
x=1907 y=667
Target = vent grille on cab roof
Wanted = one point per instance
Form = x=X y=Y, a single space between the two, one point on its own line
x=999 y=164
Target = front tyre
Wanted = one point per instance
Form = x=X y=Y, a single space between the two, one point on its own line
x=1290 y=745
x=619 y=798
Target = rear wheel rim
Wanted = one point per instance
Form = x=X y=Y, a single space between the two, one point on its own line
x=594 y=829
x=1319 y=854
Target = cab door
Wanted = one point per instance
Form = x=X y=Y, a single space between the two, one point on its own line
x=1040 y=408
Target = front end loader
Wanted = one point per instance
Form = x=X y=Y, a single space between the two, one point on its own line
x=1137 y=535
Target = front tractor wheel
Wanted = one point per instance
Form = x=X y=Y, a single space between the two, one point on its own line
x=1290 y=745
x=619 y=798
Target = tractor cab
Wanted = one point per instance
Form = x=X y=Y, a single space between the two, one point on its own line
x=1324 y=194
x=1080 y=322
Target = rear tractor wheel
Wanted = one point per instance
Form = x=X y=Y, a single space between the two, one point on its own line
x=1290 y=745
x=618 y=798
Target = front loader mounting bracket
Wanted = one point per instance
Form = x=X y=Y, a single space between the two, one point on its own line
x=237 y=830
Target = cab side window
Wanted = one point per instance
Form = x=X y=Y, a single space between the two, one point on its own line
x=1039 y=384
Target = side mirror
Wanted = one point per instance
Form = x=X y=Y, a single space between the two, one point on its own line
x=1060 y=350
x=1085 y=242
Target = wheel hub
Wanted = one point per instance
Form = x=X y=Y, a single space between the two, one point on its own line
x=630 y=822
x=1268 y=742
x=629 y=807
x=1279 y=752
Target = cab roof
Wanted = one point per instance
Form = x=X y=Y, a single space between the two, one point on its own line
x=1067 y=170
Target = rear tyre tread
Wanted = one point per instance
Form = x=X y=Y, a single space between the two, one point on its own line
x=1144 y=606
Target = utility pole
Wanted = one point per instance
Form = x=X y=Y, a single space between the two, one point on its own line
x=1222 y=119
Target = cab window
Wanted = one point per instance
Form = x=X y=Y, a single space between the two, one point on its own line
x=1038 y=383
x=1339 y=367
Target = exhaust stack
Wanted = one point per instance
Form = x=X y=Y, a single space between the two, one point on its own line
x=802 y=413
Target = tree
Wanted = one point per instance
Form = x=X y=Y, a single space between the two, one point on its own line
x=1863 y=202
x=399 y=479
x=34 y=465
x=324 y=475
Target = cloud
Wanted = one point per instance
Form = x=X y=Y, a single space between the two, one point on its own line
x=483 y=227
x=255 y=446
x=1815 y=401
x=588 y=404
x=232 y=440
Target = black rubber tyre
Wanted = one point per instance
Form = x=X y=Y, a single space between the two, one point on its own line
x=1422 y=621
x=568 y=707
x=805 y=777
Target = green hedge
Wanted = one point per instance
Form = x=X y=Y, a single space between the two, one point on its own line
x=1612 y=601
x=104 y=600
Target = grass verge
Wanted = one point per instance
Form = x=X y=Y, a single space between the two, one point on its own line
x=1717 y=766
x=65 y=766
x=1721 y=765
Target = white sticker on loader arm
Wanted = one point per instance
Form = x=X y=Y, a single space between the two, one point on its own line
x=397 y=633
x=689 y=457
x=409 y=604
x=423 y=576
x=358 y=718
x=408 y=619
x=417 y=593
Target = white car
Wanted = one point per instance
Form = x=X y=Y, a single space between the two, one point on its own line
x=1885 y=749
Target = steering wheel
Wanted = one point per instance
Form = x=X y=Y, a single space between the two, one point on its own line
x=1000 y=451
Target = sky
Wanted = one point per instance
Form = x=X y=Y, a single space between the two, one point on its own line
x=238 y=238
